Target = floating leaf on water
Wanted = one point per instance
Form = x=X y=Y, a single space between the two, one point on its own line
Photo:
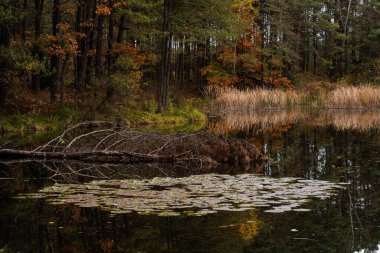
x=301 y=210
x=120 y=212
x=202 y=194
x=169 y=214
x=274 y=211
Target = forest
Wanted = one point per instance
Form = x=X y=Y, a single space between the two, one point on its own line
x=189 y=126
x=157 y=53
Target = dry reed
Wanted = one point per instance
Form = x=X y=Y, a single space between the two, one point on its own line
x=364 y=97
x=233 y=99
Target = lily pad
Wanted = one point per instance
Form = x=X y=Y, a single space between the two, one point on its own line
x=194 y=195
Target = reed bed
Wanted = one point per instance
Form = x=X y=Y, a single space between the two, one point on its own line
x=364 y=97
x=259 y=98
x=354 y=97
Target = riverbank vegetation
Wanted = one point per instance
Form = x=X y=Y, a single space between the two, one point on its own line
x=317 y=97
x=143 y=61
x=187 y=118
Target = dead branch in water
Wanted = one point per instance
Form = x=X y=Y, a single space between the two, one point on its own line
x=105 y=142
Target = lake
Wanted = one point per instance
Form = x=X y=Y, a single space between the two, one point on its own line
x=320 y=193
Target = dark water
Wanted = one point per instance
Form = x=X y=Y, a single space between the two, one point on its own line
x=346 y=222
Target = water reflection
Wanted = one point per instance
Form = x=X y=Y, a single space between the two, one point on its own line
x=281 y=120
x=346 y=223
x=364 y=251
x=47 y=228
x=334 y=154
x=79 y=172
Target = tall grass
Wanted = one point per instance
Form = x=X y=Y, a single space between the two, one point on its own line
x=365 y=97
x=354 y=97
x=258 y=99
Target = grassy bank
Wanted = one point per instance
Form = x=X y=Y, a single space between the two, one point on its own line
x=37 y=128
x=347 y=97
x=50 y=122
x=26 y=129
x=184 y=119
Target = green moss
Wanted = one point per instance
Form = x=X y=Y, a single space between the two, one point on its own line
x=183 y=119
x=53 y=122
x=35 y=129
x=44 y=127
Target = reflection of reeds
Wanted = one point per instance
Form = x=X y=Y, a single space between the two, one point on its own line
x=278 y=120
x=269 y=120
x=361 y=120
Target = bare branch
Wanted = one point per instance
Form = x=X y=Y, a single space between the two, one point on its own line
x=93 y=142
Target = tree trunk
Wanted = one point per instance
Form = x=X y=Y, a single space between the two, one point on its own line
x=99 y=47
x=178 y=77
x=23 y=23
x=164 y=75
x=55 y=58
x=91 y=47
x=83 y=18
x=61 y=74
x=78 y=58
x=198 y=73
x=120 y=35
x=262 y=38
x=110 y=56
x=5 y=36
x=39 y=8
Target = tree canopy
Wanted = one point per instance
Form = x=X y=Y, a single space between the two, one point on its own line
x=164 y=47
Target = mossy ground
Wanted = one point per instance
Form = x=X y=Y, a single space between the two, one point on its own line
x=51 y=122
x=183 y=119
x=23 y=129
x=38 y=128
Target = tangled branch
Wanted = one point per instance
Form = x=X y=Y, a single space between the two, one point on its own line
x=105 y=142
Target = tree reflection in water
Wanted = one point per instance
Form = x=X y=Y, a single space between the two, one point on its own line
x=348 y=222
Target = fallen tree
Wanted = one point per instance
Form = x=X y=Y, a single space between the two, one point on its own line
x=106 y=142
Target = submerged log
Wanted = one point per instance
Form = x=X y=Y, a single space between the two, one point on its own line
x=91 y=142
